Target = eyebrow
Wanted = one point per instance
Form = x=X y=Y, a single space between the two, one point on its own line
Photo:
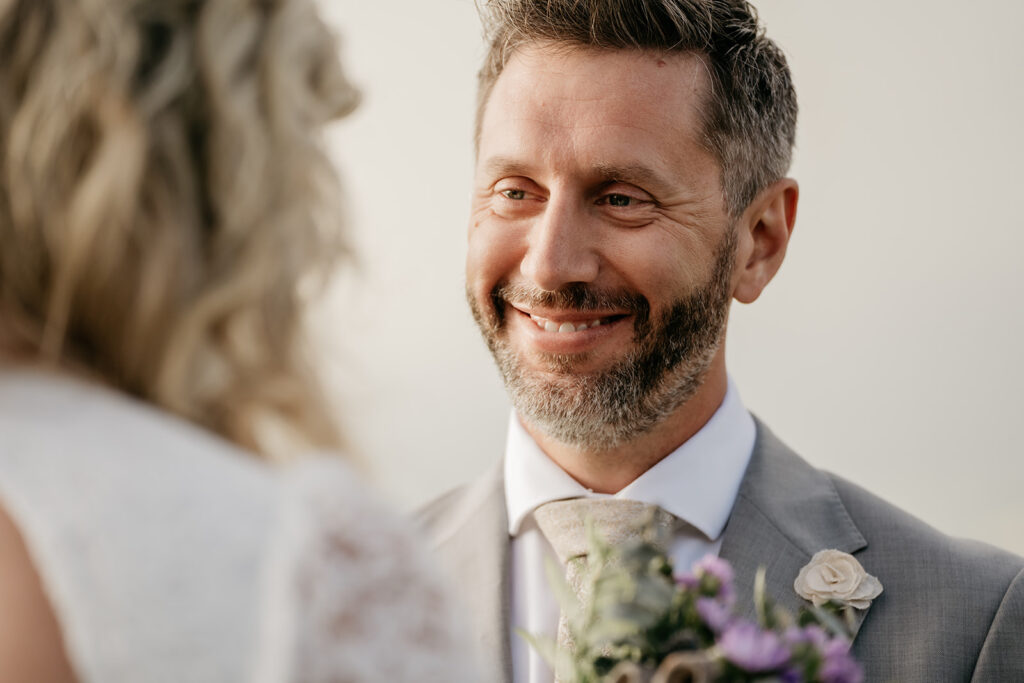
x=503 y=166
x=634 y=174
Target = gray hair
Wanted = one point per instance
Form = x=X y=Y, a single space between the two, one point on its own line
x=750 y=115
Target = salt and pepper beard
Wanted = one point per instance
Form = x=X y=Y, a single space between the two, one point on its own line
x=604 y=409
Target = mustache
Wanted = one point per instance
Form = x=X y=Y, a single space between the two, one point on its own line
x=576 y=296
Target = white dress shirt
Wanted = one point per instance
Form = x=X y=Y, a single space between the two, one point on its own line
x=697 y=483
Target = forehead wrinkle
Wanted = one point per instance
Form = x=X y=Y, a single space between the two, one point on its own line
x=618 y=160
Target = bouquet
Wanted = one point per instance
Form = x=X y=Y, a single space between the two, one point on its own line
x=645 y=623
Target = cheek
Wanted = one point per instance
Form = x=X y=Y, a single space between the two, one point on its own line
x=493 y=256
x=690 y=255
x=661 y=269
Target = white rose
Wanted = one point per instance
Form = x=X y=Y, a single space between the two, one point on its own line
x=837 y=576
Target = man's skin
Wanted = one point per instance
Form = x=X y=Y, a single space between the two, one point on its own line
x=590 y=170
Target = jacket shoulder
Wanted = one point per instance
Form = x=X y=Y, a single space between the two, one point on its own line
x=433 y=513
x=945 y=600
x=893 y=532
x=464 y=507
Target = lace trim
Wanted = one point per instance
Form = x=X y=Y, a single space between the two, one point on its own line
x=353 y=595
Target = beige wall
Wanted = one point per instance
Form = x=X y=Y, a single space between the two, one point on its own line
x=888 y=350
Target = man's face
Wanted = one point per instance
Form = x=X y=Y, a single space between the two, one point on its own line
x=600 y=251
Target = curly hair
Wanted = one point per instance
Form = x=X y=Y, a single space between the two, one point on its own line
x=750 y=115
x=166 y=205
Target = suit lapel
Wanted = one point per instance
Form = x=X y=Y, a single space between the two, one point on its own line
x=473 y=545
x=785 y=512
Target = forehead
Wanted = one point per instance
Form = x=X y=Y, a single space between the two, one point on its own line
x=578 y=100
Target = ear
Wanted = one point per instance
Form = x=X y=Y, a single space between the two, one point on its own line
x=763 y=234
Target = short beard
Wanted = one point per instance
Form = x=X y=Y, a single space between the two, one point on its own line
x=603 y=410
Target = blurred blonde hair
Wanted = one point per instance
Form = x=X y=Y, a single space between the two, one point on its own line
x=166 y=206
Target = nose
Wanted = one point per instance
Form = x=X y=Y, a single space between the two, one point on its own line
x=561 y=248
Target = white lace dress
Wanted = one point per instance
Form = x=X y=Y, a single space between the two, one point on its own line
x=169 y=555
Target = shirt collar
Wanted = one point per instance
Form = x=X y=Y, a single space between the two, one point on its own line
x=696 y=482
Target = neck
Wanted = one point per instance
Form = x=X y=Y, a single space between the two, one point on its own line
x=611 y=470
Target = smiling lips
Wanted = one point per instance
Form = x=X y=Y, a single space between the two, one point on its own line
x=552 y=326
x=563 y=326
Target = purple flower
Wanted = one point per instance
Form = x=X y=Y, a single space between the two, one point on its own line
x=839 y=666
x=718 y=569
x=811 y=634
x=751 y=649
x=716 y=615
x=792 y=675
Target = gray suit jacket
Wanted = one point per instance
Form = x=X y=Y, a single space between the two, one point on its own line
x=951 y=610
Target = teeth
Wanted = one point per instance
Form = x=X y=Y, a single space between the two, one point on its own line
x=550 y=326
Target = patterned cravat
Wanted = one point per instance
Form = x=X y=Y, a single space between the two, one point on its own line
x=563 y=523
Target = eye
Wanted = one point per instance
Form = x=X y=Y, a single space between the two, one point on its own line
x=514 y=197
x=621 y=200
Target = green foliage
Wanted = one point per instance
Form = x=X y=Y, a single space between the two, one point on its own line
x=641 y=614
x=637 y=613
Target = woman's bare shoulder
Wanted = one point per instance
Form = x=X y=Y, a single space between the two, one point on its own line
x=31 y=646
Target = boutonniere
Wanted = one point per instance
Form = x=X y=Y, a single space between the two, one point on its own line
x=834 y=578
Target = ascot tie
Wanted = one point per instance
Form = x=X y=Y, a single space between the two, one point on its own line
x=563 y=523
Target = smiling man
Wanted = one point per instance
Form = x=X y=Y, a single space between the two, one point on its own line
x=630 y=184
x=603 y=257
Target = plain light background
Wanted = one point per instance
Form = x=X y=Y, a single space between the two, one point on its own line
x=888 y=349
